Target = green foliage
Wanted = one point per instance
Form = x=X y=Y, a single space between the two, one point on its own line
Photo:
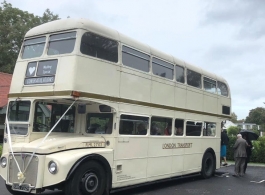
x=234 y=117
x=258 y=152
x=14 y=23
x=233 y=131
x=229 y=149
x=256 y=115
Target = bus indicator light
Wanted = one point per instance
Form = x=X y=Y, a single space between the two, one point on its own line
x=75 y=94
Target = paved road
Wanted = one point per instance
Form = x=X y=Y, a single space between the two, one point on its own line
x=253 y=183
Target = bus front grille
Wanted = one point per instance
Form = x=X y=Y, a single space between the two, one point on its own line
x=31 y=172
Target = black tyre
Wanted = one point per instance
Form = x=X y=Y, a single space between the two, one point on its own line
x=208 y=165
x=9 y=188
x=88 y=179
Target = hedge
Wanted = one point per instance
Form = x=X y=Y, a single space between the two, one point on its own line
x=258 y=150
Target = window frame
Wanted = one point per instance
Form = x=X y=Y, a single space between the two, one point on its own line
x=187 y=71
x=162 y=65
x=184 y=74
x=210 y=83
x=135 y=55
x=135 y=115
x=56 y=40
x=104 y=37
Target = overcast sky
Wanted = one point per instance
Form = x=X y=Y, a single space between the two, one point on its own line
x=226 y=37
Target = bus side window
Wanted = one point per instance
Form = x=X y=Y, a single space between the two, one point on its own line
x=209 y=129
x=133 y=125
x=161 y=126
x=179 y=124
x=193 y=128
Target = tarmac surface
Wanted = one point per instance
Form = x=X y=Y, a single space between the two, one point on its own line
x=223 y=183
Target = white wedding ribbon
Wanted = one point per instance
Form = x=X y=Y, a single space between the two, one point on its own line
x=20 y=175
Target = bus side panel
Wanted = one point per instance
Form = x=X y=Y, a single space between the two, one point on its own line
x=180 y=95
x=159 y=158
x=98 y=76
x=135 y=85
x=194 y=99
x=210 y=103
x=130 y=160
x=162 y=92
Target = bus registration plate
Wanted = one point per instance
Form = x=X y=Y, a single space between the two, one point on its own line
x=23 y=187
x=95 y=144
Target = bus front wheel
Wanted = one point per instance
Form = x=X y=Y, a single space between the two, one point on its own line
x=88 y=179
x=208 y=165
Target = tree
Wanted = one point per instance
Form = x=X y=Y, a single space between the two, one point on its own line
x=233 y=117
x=256 y=116
x=233 y=131
x=14 y=23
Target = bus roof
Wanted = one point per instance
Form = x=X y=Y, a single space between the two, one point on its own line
x=71 y=24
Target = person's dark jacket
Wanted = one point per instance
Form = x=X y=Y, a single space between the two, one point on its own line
x=224 y=138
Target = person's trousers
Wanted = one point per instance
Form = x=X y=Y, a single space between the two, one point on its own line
x=246 y=163
x=239 y=165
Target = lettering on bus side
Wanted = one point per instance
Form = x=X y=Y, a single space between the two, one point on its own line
x=95 y=144
x=176 y=145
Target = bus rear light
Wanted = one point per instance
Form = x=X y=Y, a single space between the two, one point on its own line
x=75 y=94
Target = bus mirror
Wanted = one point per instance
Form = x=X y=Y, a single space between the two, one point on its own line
x=81 y=108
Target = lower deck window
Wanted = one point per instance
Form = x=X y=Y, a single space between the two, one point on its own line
x=161 y=126
x=133 y=125
x=209 y=129
x=99 y=123
x=193 y=128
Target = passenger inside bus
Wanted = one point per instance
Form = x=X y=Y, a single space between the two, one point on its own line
x=141 y=129
x=179 y=131
x=168 y=129
x=155 y=130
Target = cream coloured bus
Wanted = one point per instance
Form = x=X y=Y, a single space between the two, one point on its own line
x=92 y=110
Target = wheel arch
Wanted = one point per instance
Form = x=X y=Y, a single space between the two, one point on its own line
x=210 y=150
x=95 y=157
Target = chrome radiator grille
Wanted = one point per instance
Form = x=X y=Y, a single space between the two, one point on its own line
x=31 y=172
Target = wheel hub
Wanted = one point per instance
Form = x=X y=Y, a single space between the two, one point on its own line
x=90 y=182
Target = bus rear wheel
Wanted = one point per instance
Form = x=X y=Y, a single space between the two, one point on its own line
x=88 y=179
x=208 y=165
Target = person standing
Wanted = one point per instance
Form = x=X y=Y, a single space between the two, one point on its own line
x=249 y=152
x=224 y=143
x=240 y=155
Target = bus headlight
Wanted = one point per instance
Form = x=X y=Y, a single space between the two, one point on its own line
x=3 y=162
x=52 y=167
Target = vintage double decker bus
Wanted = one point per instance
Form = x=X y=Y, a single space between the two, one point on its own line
x=91 y=110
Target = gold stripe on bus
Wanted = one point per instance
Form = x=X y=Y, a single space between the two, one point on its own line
x=114 y=99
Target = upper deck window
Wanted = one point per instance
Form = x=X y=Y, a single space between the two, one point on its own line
x=193 y=78
x=209 y=85
x=180 y=74
x=135 y=59
x=162 y=68
x=99 y=47
x=33 y=48
x=222 y=89
x=62 y=43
